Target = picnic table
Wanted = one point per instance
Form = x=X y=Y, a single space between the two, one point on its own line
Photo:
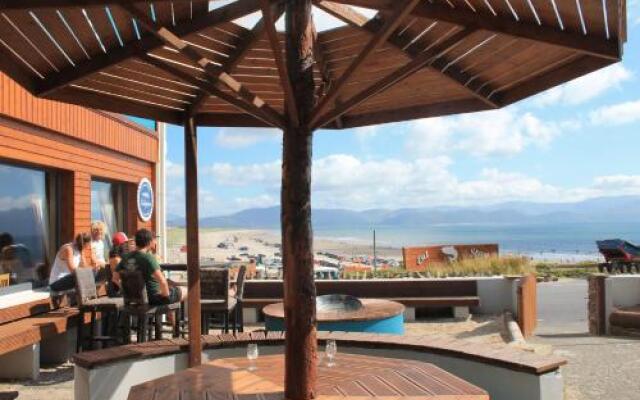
x=351 y=376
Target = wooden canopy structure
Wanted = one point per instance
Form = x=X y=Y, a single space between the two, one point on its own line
x=190 y=62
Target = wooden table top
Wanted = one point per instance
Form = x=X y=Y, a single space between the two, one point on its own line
x=371 y=309
x=351 y=376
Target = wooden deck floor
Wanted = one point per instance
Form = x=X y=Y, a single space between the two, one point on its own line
x=352 y=376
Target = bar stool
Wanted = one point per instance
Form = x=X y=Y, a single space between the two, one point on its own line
x=238 y=320
x=89 y=302
x=136 y=305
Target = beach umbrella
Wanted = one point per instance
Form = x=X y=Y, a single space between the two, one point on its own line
x=192 y=63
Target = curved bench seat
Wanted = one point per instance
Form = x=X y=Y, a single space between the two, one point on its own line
x=505 y=372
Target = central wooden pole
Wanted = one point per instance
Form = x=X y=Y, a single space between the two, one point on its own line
x=297 y=235
x=193 y=244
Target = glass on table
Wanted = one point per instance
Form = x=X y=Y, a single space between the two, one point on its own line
x=330 y=351
x=252 y=355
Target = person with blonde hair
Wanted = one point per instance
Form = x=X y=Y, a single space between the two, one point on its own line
x=98 y=229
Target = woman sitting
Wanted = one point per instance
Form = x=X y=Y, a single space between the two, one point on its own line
x=71 y=256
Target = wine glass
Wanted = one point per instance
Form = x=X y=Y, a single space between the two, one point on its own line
x=331 y=350
x=252 y=355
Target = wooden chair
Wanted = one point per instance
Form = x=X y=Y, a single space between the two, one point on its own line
x=136 y=305
x=89 y=302
x=215 y=298
x=5 y=280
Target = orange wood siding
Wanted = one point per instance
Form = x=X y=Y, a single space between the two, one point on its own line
x=99 y=128
x=79 y=143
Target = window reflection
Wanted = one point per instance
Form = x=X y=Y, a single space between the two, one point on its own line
x=24 y=230
x=106 y=205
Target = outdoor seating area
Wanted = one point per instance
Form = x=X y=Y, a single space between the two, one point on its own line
x=507 y=373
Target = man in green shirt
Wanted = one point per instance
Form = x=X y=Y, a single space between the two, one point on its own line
x=142 y=259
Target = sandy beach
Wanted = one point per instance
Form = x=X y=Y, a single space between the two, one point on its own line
x=253 y=242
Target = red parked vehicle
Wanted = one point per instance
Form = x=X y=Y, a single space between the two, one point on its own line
x=620 y=256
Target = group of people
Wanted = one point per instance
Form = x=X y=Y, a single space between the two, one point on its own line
x=88 y=251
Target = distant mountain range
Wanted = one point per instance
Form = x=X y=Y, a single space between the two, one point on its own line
x=603 y=209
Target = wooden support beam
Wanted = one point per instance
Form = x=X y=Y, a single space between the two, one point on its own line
x=193 y=242
x=323 y=67
x=195 y=105
x=548 y=79
x=301 y=364
x=210 y=87
x=403 y=43
x=272 y=35
x=421 y=61
x=146 y=44
x=215 y=73
x=414 y=112
x=586 y=44
x=400 y=12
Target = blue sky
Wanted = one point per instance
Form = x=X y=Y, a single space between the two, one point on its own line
x=577 y=141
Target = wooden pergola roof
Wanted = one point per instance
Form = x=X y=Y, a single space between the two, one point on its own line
x=168 y=60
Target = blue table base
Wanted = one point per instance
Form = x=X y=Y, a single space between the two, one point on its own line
x=391 y=325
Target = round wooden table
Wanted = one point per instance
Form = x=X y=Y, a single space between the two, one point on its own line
x=351 y=376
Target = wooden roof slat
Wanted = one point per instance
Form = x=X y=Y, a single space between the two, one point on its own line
x=25 y=49
x=28 y=25
x=148 y=43
x=505 y=53
x=419 y=62
x=21 y=4
x=269 y=18
x=376 y=40
x=215 y=74
x=591 y=45
x=407 y=43
x=211 y=88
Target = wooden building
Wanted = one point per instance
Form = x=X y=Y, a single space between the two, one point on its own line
x=64 y=166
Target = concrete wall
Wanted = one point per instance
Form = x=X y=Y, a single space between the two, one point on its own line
x=112 y=382
x=497 y=294
x=620 y=291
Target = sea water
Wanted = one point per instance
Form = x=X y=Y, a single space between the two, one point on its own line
x=559 y=241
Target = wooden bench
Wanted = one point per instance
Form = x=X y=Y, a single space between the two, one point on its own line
x=28 y=341
x=35 y=327
x=459 y=294
x=625 y=321
x=505 y=372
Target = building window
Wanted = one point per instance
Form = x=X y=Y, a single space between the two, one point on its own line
x=108 y=205
x=25 y=219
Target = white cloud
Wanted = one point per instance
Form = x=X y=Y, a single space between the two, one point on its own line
x=498 y=132
x=8 y=203
x=267 y=174
x=617 y=114
x=585 y=88
x=173 y=170
x=346 y=181
x=235 y=138
x=618 y=183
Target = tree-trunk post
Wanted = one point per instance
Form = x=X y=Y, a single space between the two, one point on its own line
x=297 y=236
x=193 y=245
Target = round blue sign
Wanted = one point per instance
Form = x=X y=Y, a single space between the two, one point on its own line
x=145 y=199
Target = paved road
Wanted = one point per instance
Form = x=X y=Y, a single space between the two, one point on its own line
x=599 y=367
x=562 y=307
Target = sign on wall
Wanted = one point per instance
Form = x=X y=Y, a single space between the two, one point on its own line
x=419 y=258
x=145 y=200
